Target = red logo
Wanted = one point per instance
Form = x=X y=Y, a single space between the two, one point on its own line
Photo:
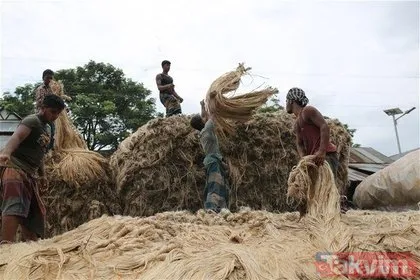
x=367 y=264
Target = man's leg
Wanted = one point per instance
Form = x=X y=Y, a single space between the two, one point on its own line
x=172 y=106
x=216 y=193
x=9 y=226
x=332 y=159
x=33 y=225
x=27 y=234
x=16 y=197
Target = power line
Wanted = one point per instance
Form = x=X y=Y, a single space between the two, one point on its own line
x=157 y=67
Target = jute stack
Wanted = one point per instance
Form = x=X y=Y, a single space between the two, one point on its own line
x=159 y=167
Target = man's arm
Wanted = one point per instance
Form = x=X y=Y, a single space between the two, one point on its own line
x=313 y=115
x=18 y=136
x=204 y=114
x=176 y=95
x=159 y=84
x=300 y=146
x=299 y=142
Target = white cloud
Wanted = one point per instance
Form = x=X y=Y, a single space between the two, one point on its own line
x=354 y=59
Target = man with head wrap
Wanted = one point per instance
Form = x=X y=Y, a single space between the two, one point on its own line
x=312 y=131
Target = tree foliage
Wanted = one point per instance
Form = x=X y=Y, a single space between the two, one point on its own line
x=272 y=106
x=105 y=107
x=22 y=101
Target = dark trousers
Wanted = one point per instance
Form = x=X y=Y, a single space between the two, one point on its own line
x=332 y=159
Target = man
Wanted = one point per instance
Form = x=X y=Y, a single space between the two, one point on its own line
x=312 y=131
x=20 y=161
x=216 y=192
x=42 y=91
x=167 y=94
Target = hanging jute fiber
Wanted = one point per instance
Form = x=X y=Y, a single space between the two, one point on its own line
x=227 y=106
x=81 y=187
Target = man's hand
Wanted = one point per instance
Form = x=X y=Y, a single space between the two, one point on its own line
x=4 y=159
x=66 y=98
x=319 y=158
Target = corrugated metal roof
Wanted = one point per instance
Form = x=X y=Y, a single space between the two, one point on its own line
x=368 y=155
x=398 y=156
x=365 y=161
x=367 y=167
x=4 y=114
x=355 y=175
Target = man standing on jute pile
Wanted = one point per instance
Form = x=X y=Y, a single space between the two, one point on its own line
x=20 y=161
x=167 y=94
x=216 y=192
x=312 y=131
x=42 y=91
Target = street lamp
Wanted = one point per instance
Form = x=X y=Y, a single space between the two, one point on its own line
x=393 y=112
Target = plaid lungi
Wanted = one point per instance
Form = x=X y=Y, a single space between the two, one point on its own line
x=20 y=197
x=216 y=192
x=172 y=105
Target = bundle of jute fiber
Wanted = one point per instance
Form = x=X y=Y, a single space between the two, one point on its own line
x=159 y=167
x=313 y=187
x=66 y=135
x=226 y=109
x=181 y=245
x=80 y=185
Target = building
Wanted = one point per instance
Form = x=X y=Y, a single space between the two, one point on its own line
x=363 y=162
x=398 y=156
x=9 y=121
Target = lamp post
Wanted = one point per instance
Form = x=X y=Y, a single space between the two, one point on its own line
x=396 y=111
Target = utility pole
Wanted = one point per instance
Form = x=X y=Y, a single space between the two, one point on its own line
x=393 y=112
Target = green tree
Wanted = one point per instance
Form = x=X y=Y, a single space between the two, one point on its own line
x=272 y=106
x=22 y=101
x=105 y=107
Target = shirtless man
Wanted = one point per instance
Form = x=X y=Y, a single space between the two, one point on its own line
x=313 y=134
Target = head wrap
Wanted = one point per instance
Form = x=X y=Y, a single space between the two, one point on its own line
x=298 y=95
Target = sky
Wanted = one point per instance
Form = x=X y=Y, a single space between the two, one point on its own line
x=353 y=59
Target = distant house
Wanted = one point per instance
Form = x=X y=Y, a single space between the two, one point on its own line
x=398 y=156
x=9 y=121
x=364 y=161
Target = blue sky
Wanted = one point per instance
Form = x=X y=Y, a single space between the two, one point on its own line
x=353 y=58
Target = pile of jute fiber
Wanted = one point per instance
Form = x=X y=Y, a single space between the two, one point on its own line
x=80 y=185
x=243 y=245
x=181 y=245
x=159 y=167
